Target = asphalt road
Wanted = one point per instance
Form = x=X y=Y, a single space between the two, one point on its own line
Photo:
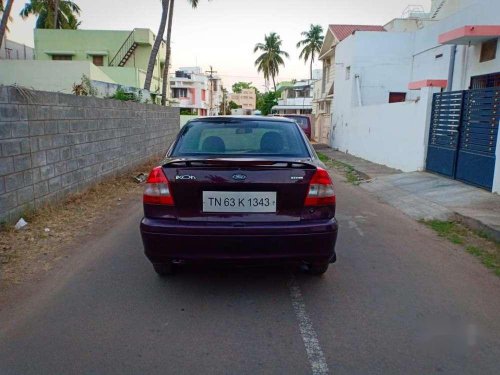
x=399 y=301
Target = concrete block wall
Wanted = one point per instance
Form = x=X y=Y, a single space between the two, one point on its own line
x=53 y=145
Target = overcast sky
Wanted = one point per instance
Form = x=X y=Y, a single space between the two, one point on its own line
x=223 y=33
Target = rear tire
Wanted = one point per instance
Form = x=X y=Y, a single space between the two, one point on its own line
x=317 y=269
x=164 y=269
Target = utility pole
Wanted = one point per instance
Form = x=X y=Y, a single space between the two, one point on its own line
x=223 y=101
x=211 y=79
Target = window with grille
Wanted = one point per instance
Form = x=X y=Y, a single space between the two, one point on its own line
x=62 y=57
x=98 y=60
x=179 y=93
x=485 y=81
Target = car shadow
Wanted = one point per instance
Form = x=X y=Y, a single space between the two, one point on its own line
x=229 y=277
x=234 y=273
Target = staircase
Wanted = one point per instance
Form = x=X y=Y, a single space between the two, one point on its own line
x=417 y=13
x=126 y=50
x=435 y=11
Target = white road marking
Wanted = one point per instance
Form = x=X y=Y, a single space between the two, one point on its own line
x=354 y=225
x=353 y=222
x=309 y=336
x=471 y=334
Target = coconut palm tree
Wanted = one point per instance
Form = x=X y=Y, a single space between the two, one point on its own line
x=10 y=19
x=48 y=18
x=5 y=18
x=56 y=12
x=156 y=48
x=312 y=42
x=272 y=57
x=194 y=4
x=156 y=45
x=167 y=56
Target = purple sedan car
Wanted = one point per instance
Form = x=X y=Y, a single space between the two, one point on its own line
x=240 y=189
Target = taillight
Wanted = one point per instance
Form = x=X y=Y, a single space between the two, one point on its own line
x=321 y=191
x=157 y=190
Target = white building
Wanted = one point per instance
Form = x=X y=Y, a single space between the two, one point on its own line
x=16 y=51
x=317 y=74
x=196 y=92
x=384 y=82
x=189 y=88
x=323 y=89
x=296 y=99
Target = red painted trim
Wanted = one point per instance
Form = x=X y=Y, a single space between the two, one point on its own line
x=470 y=31
x=417 y=85
x=193 y=95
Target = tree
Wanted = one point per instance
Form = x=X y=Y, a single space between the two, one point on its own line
x=5 y=18
x=65 y=17
x=272 y=57
x=167 y=56
x=238 y=86
x=233 y=105
x=312 y=42
x=56 y=11
x=267 y=101
x=154 y=53
x=156 y=45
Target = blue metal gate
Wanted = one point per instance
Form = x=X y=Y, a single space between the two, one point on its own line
x=444 y=132
x=463 y=135
x=478 y=137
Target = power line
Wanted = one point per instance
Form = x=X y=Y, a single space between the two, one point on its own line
x=254 y=77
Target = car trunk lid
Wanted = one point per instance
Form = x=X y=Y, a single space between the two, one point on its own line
x=239 y=190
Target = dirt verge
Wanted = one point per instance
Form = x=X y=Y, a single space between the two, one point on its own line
x=51 y=231
x=352 y=175
x=477 y=243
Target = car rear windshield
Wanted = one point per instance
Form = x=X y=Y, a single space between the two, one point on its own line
x=302 y=121
x=240 y=139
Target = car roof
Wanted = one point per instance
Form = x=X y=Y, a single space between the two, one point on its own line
x=242 y=117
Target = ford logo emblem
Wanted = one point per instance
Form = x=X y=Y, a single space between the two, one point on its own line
x=239 y=177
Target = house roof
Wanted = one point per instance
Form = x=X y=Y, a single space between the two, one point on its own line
x=343 y=31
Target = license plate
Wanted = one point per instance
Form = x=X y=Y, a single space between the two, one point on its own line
x=239 y=201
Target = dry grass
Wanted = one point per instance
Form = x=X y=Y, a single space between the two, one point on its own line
x=51 y=230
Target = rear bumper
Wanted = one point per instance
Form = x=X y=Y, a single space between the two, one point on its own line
x=297 y=242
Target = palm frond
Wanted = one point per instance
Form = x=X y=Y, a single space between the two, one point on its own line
x=312 y=42
x=44 y=11
x=259 y=46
